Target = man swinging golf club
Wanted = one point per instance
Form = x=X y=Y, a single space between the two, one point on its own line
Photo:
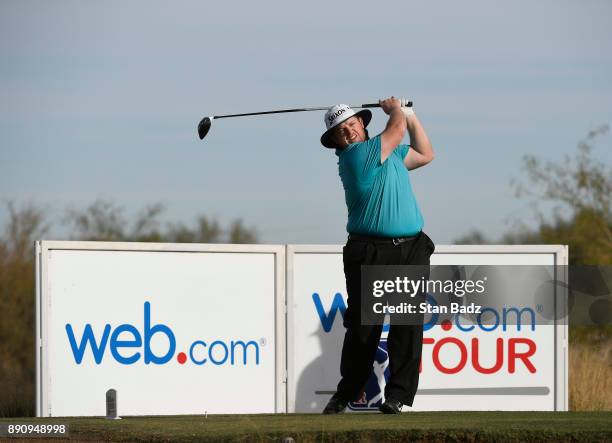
x=385 y=228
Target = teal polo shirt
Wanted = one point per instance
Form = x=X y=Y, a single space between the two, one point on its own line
x=378 y=196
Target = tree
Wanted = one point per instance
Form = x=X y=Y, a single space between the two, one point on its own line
x=239 y=234
x=580 y=187
x=104 y=221
x=17 y=289
x=474 y=237
x=206 y=231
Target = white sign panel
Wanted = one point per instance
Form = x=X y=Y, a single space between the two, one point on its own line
x=492 y=366
x=174 y=329
x=189 y=329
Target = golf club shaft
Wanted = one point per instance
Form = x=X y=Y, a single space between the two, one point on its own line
x=367 y=105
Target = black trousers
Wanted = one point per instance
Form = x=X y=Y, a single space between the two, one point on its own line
x=404 y=342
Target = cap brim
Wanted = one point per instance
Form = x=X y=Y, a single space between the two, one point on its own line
x=327 y=139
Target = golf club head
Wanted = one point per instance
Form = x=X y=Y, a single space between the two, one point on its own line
x=204 y=127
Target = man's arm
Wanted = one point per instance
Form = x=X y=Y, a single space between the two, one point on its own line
x=396 y=127
x=421 y=152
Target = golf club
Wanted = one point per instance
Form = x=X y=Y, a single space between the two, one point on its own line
x=206 y=122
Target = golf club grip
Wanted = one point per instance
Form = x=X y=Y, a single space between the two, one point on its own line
x=376 y=105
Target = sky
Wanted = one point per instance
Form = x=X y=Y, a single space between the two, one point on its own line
x=100 y=100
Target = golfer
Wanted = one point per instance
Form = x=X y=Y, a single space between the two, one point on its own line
x=385 y=227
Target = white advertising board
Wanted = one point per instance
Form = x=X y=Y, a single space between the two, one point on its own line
x=173 y=328
x=464 y=367
x=189 y=329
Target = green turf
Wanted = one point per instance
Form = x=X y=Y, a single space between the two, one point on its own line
x=412 y=426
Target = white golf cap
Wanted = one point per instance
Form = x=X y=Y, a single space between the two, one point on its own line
x=336 y=115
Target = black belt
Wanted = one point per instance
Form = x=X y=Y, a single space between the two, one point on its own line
x=388 y=240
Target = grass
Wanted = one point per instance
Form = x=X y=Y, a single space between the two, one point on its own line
x=415 y=426
x=590 y=379
x=590 y=368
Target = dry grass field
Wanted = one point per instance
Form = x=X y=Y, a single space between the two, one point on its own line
x=590 y=369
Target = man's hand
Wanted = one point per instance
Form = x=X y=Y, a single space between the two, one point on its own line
x=395 y=129
x=389 y=104
x=408 y=112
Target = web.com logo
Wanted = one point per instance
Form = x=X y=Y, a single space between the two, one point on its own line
x=128 y=345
